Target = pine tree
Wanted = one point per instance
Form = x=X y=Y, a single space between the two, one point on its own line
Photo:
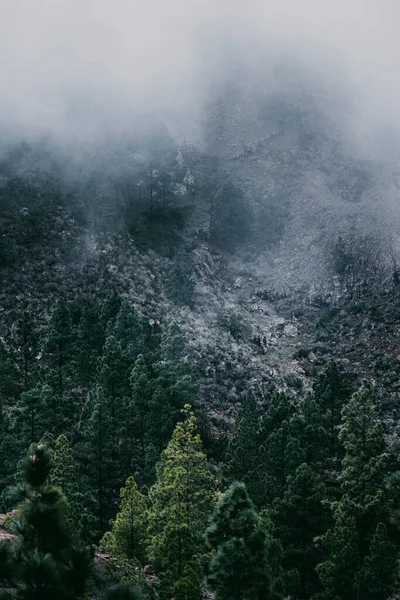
x=332 y=391
x=97 y=455
x=284 y=455
x=139 y=406
x=31 y=415
x=181 y=500
x=7 y=450
x=188 y=586
x=47 y=562
x=365 y=463
x=243 y=453
x=27 y=340
x=362 y=437
x=377 y=578
x=342 y=560
x=10 y=381
x=299 y=517
x=65 y=475
x=124 y=592
x=127 y=329
x=89 y=341
x=126 y=540
x=309 y=429
x=174 y=373
x=59 y=345
x=275 y=554
x=238 y=569
x=279 y=449
x=113 y=373
x=162 y=418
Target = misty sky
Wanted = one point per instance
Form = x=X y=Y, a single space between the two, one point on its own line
x=121 y=55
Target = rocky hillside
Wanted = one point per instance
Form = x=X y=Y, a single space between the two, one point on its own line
x=253 y=238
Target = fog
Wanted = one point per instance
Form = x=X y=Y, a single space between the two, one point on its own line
x=74 y=66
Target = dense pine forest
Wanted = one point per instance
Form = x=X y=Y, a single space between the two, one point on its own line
x=199 y=352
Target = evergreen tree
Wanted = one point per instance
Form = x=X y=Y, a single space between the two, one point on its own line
x=124 y=592
x=65 y=475
x=362 y=437
x=299 y=517
x=10 y=381
x=89 y=342
x=309 y=429
x=59 y=345
x=97 y=455
x=174 y=374
x=126 y=540
x=32 y=415
x=238 y=569
x=365 y=463
x=127 y=330
x=279 y=449
x=139 y=406
x=181 y=500
x=332 y=391
x=243 y=453
x=280 y=580
x=162 y=418
x=27 y=340
x=7 y=450
x=188 y=586
x=114 y=373
x=377 y=579
x=47 y=562
x=283 y=456
x=342 y=559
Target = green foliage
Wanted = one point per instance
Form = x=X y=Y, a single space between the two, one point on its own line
x=299 y=517
x=378 y=576
x=65 y=475
x=181 y=500
x=365 y=463
x=91 y=364
x=238 y=569
x=124 y=592
x=7 y=450
x=188 y=586
x=340 y=567
x=47 y=561
x=10 y=387
x=242 y=460
x=284 y=454
x=28 y=342
x=332 y=391
x=98 y=449
x=32 y=414
x=307 y=426
x=59 y=345
x=126 y=540
x=139 y=403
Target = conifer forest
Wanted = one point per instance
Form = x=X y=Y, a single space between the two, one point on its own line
x=199 y=301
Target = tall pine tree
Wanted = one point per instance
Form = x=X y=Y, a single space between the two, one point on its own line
x=47 y=561
x=126 y=540
x=238 y=568
x=181 y=500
